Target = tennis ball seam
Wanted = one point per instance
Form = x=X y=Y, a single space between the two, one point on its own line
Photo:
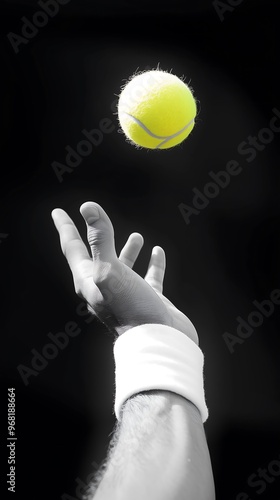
x=152 y=106
x=151 y=134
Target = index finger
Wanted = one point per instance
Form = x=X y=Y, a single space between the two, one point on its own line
x=71 y=242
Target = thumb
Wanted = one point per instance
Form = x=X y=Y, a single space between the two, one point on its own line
x=100 y=232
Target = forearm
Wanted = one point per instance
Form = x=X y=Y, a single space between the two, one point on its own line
x=159 y=452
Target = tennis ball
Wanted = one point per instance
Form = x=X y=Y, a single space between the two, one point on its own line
x=156 y=110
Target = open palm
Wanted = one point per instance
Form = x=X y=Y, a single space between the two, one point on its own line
x=113 y=291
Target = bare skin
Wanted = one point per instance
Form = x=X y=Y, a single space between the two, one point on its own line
x=159 y=449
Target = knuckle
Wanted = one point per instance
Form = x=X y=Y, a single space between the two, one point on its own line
x=95 y=236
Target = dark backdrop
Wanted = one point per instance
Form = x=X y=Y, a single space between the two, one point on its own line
x=65 y=79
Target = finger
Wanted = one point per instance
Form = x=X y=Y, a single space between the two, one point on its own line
x=100 y=232
x=131 y=249
x=156 y=269
x=71 y=243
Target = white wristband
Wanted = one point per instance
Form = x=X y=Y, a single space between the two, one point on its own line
x=153 y=356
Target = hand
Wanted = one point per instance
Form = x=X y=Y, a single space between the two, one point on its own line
x=118 y=296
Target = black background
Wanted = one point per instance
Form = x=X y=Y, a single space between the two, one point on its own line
x=66 y=79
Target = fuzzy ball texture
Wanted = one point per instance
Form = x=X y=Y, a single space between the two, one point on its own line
x=156 y=110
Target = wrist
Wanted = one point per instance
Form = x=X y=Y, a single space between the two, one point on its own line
x=158 y=402
x=158 y=357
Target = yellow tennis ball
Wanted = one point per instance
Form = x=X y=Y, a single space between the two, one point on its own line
x=156 y=110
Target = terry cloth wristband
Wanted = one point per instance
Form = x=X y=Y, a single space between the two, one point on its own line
x=153 y=356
